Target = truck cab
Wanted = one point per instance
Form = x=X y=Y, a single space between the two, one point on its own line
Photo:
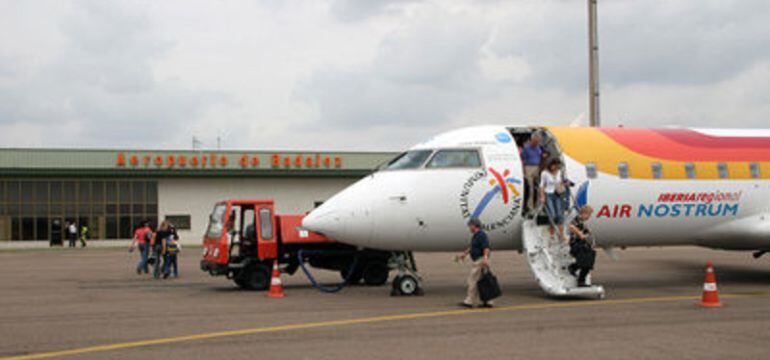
x=245 y=237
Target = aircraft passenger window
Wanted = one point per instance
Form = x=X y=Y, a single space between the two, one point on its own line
x=722 y=169
x=409 y=160
x=657 y=170
x=755 y=172
x=455 y=159
x=689 y=169
x=623 y=170
x=591 y=170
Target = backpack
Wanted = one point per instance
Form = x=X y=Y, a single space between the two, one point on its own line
x=172 y=247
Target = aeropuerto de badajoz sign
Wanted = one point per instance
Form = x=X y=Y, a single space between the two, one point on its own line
x=213 y=160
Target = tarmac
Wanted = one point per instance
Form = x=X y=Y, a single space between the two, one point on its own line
x=90 y=304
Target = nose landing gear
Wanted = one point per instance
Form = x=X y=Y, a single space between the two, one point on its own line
x=407 y=282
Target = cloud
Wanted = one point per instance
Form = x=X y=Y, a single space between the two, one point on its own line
x=341 y=74
x=526 y=62
x=682 y=42
x=99 y=84
x=355 y=10
x=421 y=73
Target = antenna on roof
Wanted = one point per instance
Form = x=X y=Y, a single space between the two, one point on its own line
x=196 y=143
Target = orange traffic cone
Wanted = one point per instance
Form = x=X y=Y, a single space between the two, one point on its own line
x=276 y=286
x=710 y=293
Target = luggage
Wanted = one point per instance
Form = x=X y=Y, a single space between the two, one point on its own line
x=152 y=259
x=488 y=287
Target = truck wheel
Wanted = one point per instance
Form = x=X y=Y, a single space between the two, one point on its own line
x=376 y=273
x=255 y=277
x=355 y=278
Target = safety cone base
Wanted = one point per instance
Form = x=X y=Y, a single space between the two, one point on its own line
x=711 y=305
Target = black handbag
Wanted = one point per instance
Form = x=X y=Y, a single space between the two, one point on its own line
x=152 y=259
x=488 y=287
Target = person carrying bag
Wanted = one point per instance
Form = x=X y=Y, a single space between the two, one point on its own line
x=488 y=286
x=479 y=253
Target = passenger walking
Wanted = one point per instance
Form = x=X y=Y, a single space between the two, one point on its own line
x=580 y=247
x=142 y=239
x=552 y=188
x=72 y=233
x=83 y=235
x=531 y=156
x=158 y=244
x=479 y=253
x=172 y=249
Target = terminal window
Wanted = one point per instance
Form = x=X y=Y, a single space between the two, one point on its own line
x=180 y=222
x=40 y=209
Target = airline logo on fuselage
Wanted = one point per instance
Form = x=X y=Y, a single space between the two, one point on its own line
x=495 y=199
x=673 y=205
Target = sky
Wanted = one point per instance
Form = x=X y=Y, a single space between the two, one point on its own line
x=366 y=75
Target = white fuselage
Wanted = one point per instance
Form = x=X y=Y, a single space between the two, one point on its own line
x=426 y=209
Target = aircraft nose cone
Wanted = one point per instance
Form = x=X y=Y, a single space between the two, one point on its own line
x=323 y=221
x=345 y=217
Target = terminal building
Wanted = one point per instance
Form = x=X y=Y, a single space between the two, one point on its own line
x=111 y=191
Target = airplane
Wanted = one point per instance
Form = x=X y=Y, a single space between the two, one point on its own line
x=649 y=187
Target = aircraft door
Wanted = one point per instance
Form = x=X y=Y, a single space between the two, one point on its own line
x=394 y=213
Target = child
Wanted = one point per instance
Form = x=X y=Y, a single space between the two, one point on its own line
x=172 y=249
x=580 y=247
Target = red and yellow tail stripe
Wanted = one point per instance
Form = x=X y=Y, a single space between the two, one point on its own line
x=672 y=148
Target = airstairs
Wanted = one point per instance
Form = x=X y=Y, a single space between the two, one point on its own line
x=548 y=258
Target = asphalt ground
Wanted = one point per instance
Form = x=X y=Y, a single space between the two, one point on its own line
x=89 y=304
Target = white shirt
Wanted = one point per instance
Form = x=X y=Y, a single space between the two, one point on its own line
x=550 y=181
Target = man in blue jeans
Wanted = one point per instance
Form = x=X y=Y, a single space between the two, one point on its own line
x=479 y=252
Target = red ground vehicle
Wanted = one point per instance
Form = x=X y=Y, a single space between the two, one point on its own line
x=244 y=237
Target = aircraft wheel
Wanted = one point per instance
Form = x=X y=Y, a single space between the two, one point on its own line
x=406 y=285
x=376 y=273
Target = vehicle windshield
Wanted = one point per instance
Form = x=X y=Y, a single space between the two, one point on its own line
x=409 y=160
x=216 y=222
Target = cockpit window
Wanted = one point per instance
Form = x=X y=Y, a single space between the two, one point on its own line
x=455 y=159
x=409 y=160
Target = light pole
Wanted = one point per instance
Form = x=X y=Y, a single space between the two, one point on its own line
x=593 y=66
